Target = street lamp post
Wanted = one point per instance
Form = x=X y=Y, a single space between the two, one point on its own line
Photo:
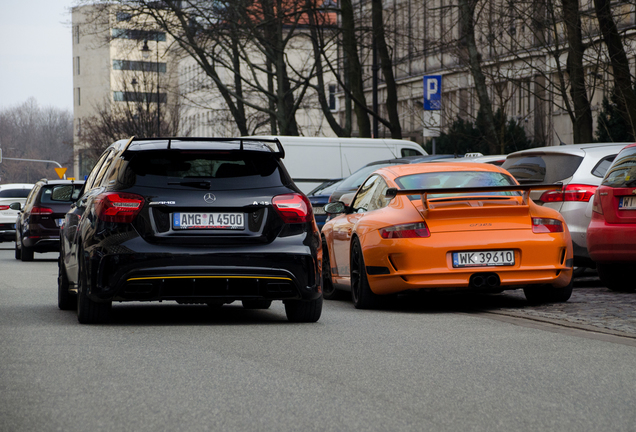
x=145 y=51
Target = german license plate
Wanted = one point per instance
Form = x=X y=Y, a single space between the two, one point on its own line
x=229 y=221
x=627 y=203
x=484 y=258
x=59 y=222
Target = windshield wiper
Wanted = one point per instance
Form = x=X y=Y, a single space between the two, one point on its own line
x=194 y=184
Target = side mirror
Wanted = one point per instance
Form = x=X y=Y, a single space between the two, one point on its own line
x=335 y=208
x=15 y=206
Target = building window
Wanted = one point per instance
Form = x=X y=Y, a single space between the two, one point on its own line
x=139 y=66
x=123 y=16
x=78 y=98
x=139 y=34
x=76 y=33
x=120 y=96
x=332 y=97
x=77 y=65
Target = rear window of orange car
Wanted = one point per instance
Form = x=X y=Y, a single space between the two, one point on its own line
x=622 y=173
x=456 y=179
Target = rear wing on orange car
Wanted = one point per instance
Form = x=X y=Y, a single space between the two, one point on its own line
x=393 y=192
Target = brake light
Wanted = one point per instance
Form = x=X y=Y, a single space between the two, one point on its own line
x=544 y=225
x=118 y=206
x=41 y=210
x=571 y=192
x=293 y=208
x=412 y=230
x=4 y=207
x=597 y=207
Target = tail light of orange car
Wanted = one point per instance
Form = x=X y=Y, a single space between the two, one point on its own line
x=571 y=192
x=596 y=203
x=293 y=208
x=412 y=230
x=41 y=211
x=118 y=206
x=545 y=225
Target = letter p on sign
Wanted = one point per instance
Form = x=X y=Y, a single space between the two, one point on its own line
x=433 y=92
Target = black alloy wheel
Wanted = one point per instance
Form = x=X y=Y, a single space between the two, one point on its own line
x=88 y=311
x=65 y=299
x=329 y=292
x=361 y=294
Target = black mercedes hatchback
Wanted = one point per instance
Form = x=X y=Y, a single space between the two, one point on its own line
x=192 y=220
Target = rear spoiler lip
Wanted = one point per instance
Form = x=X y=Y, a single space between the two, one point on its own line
x=278 y=152
x=393 y=192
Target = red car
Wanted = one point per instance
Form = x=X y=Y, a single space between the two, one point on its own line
x=611 y=235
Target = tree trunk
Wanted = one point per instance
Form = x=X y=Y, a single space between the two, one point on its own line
x=387 y=69
x=354 y=69
x=582 y=117
x=625 y=96
x=467 y=20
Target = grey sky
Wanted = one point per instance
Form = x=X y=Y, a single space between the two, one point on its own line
x=36 y=52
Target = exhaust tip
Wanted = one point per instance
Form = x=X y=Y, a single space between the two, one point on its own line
x=484 y=280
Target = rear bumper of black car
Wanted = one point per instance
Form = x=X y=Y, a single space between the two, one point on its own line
x=204 y=277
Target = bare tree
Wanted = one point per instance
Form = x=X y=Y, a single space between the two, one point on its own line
x=28 y=131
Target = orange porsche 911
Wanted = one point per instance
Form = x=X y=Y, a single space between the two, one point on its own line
x=445 y=227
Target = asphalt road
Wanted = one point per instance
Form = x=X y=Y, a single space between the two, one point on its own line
x=423 y=365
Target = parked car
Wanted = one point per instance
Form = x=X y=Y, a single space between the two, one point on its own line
x=449 y=227
x=39 y=220
x=611 y=235
x=580 y=168
x=319 y=196
x=9 y=194
x=352 y=183
x=194 y=220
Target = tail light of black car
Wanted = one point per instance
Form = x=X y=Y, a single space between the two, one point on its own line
x=41 y=211
x=118 y=206
x=293 y=208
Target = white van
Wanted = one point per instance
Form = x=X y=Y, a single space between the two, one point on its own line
x=311 y=160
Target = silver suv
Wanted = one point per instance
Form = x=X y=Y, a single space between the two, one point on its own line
x=580 y=167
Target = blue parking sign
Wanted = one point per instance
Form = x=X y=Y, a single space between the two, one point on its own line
x=433 y=92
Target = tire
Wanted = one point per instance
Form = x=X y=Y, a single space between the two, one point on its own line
x=329 y=292
x=361 y=294
x=547 y=294
x=88 y=311
x=256 y=304
x=302 y=311
x=18 y=252
x=615 y=277
x=65 y=299
x=26 y=254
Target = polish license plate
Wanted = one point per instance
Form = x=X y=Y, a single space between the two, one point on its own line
x=228 y=221
x=484 y=258
x=627 y=203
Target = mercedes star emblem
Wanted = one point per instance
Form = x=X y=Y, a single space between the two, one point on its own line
x=209 y=198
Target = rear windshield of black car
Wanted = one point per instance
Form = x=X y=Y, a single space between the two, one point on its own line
x=221 y=169
x=622 y=173
x=56 y=194
x=544 y=168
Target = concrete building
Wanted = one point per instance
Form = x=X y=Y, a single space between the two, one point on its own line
x=116 y=61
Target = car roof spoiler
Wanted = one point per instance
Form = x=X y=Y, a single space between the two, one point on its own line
x=173 y=143
x=393 y=192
